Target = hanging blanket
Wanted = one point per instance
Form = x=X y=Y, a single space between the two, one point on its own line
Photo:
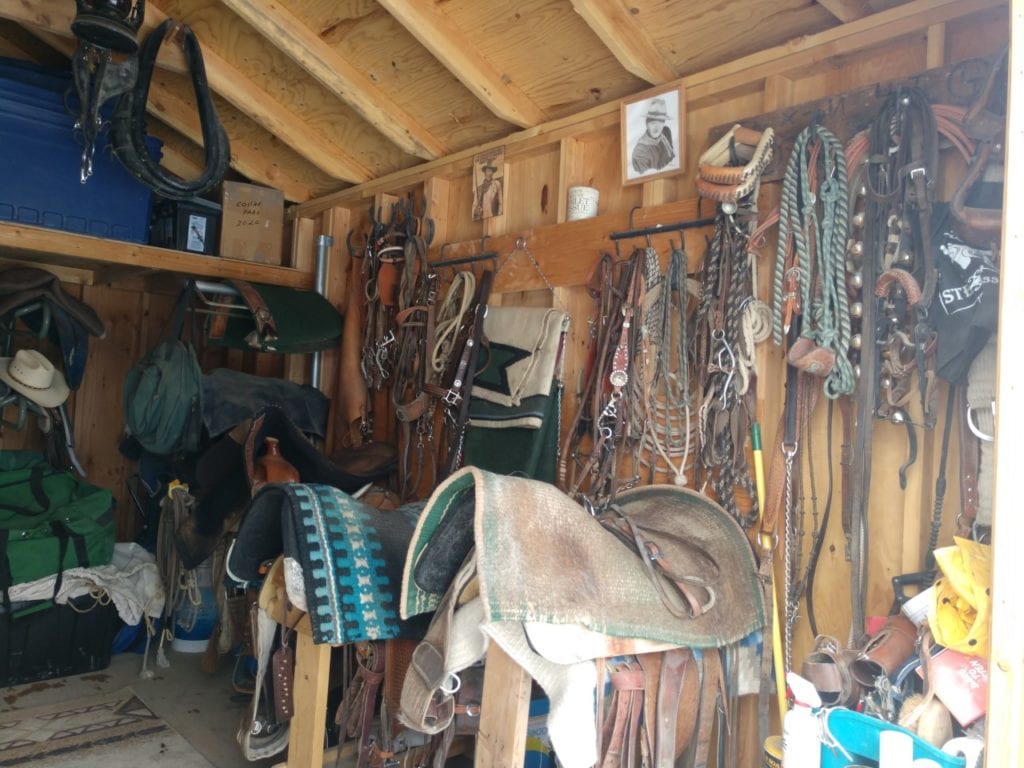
x=513 y=388
x=351 y=556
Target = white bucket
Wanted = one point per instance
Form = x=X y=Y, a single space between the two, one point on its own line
x=193 y=624
x=582 y=203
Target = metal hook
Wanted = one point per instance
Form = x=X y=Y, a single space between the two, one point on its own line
x=633 y=210
x=975 y=430
x=730 y=371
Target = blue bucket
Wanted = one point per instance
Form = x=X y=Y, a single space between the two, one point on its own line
x=194 y=622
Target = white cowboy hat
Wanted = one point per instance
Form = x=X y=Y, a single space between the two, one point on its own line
x=31 y=374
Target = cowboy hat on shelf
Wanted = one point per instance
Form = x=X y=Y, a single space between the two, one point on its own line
x=32 y=375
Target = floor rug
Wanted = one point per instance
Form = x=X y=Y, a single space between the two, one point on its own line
x=112 y=730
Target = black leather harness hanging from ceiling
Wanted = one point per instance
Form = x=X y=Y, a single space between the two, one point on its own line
x=102 y=28
x=128 y=124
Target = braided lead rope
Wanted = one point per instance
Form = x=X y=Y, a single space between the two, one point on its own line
x=820 y=243
x=450 y=315
x=666 y=426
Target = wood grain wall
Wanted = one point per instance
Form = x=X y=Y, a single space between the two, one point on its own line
x=542 y=165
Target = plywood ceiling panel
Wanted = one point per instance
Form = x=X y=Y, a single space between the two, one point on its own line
x=569 y=73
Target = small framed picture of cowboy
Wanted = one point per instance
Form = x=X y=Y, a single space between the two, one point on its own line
x=489 y=184
x=652 y=125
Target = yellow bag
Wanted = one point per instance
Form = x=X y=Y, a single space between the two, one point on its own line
x=959 y=615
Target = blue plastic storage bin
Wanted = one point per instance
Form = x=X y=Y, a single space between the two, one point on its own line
x=40 y=160
x=859 y=733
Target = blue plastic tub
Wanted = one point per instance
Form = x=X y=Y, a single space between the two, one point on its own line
x=40 y=159
x=34 y=76
x=858 y=735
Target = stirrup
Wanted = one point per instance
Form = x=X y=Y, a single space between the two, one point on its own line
x=827 y=667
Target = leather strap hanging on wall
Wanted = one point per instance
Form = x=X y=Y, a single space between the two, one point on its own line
x=128 y=123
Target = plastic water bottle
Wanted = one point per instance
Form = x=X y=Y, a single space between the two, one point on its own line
x=801 y=743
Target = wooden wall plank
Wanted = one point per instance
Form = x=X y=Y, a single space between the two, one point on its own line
x=526 y=201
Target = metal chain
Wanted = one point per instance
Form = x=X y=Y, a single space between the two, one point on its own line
x=790 y=543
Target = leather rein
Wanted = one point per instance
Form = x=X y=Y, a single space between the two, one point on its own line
x=128 y=123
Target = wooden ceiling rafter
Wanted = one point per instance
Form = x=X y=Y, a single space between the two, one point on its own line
x=454 y=49
x=620 y=33
x=224 y=79
x=286 y=32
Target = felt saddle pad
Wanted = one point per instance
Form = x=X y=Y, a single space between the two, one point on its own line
x=351 y=556
x=305 y=322
x=512 y=387
x=542 y=558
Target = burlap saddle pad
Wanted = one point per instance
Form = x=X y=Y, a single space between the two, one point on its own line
x=542 y=558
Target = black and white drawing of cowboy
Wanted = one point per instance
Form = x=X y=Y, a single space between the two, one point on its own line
x=654 y=149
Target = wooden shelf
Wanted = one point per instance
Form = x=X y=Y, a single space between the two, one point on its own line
x=89 y=260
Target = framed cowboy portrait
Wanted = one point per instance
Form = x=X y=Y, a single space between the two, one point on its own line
x=489 y=184
x=652 y=125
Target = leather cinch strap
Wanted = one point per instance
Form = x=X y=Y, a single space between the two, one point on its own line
x=355 y=713
x=621 y=729
x=428 y=701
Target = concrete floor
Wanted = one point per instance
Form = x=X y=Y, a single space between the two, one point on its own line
x=201 y=707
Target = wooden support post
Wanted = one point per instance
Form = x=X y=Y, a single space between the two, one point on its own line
x=1004 y=742
x=935 y=55
x=436 y=196
x=306 y=739
x=570 y=170
x=657 y=192
x=296 y=367
x=778 y=92
x=382 y=205
x=504 y=712
x=335 y=224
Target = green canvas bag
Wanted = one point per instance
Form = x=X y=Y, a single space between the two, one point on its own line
x=163 y=392
x=49 y=521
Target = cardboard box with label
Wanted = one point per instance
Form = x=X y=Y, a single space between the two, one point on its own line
x=252 y=220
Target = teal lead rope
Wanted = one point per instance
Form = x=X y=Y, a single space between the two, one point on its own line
x=819 y=233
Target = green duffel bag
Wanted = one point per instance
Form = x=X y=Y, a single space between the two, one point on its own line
x=49 y=521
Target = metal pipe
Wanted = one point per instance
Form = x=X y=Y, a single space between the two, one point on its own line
x=658 y=229
x=323 y=249
x=221 y=289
